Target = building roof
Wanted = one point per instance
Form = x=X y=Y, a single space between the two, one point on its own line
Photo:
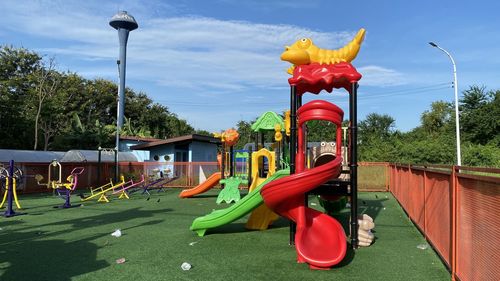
x=93 y=156
x=32 y=156
x=177 y=140
x=29 y=156
x=139 y=139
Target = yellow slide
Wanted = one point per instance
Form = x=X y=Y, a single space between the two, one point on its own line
x=262 y=216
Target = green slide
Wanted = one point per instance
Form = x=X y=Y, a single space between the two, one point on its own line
x=236 y=211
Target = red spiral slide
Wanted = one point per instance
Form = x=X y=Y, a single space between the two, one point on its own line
x=320 y=239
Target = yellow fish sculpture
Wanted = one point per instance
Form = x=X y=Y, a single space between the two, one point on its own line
x=305 y=52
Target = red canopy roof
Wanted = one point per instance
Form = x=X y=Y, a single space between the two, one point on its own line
x=314 y=77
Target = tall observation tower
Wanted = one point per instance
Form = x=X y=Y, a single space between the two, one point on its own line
x=124 y=23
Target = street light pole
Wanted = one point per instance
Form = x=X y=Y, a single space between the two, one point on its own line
x=455 y=86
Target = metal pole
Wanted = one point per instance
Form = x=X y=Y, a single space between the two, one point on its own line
x=99 y=166
x=10 y=189
x=455 y=86
x=117 y=168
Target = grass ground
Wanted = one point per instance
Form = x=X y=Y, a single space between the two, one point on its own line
x=75 y=244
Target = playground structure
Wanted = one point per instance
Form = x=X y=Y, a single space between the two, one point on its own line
x=54 y=181
x=319 y=239
x=261 y=216
x=230 y=192
x=9 y=177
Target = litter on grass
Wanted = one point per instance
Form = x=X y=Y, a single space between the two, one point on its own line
x=117 y=233
x=192 y=243
x=120 y=260
x=313 y=204
x=423 y=246
x=185 y=266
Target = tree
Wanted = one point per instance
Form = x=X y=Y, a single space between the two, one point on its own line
x=47 y=80
x=376 y=126
x=434 y=121
x=247 y=135
x=480 y=111
x=16 y=81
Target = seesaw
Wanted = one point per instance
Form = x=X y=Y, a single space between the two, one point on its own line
x=102 y=190
x=156 y=182
x=130 y=184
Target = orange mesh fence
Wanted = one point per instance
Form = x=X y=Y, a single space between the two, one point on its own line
x=438 y=212
x=458 y=211
x=416 y=197
x=478 y=228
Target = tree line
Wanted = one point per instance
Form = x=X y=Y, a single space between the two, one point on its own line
x=42 y=108
x=432 y=142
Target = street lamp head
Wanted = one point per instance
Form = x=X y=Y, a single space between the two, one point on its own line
x=433 y=44
x=123 y=20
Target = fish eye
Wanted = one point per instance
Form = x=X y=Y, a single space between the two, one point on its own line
x=304 y=40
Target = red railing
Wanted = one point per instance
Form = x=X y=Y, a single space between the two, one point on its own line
x=458 y=211
x=185 y=174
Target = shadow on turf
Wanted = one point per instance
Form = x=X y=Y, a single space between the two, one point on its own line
x=32 y=255
x=76 y=224
x=50 y=259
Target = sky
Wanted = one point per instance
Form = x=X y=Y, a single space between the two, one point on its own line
x=216 y=62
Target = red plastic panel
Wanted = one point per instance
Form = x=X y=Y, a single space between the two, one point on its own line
x=314 y=78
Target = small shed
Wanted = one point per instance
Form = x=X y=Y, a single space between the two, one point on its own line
x=189 y=148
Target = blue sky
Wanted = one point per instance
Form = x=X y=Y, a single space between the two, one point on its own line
x=216 y=62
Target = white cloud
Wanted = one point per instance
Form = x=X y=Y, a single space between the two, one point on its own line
x=169 y=51
x=198 y=56
x=379 y=76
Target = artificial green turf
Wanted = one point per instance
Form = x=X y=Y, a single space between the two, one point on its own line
x=75 y=244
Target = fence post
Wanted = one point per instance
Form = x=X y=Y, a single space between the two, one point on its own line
x=386 y=176
x=425 y=203
x=454 y=195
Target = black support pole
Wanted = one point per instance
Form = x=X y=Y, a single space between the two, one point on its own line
x=223 y=163
x=353 y=166
x=249 y=162
x=293 y=147
x=231 y=161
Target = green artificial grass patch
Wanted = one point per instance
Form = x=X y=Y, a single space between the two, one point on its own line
x=75 y=244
